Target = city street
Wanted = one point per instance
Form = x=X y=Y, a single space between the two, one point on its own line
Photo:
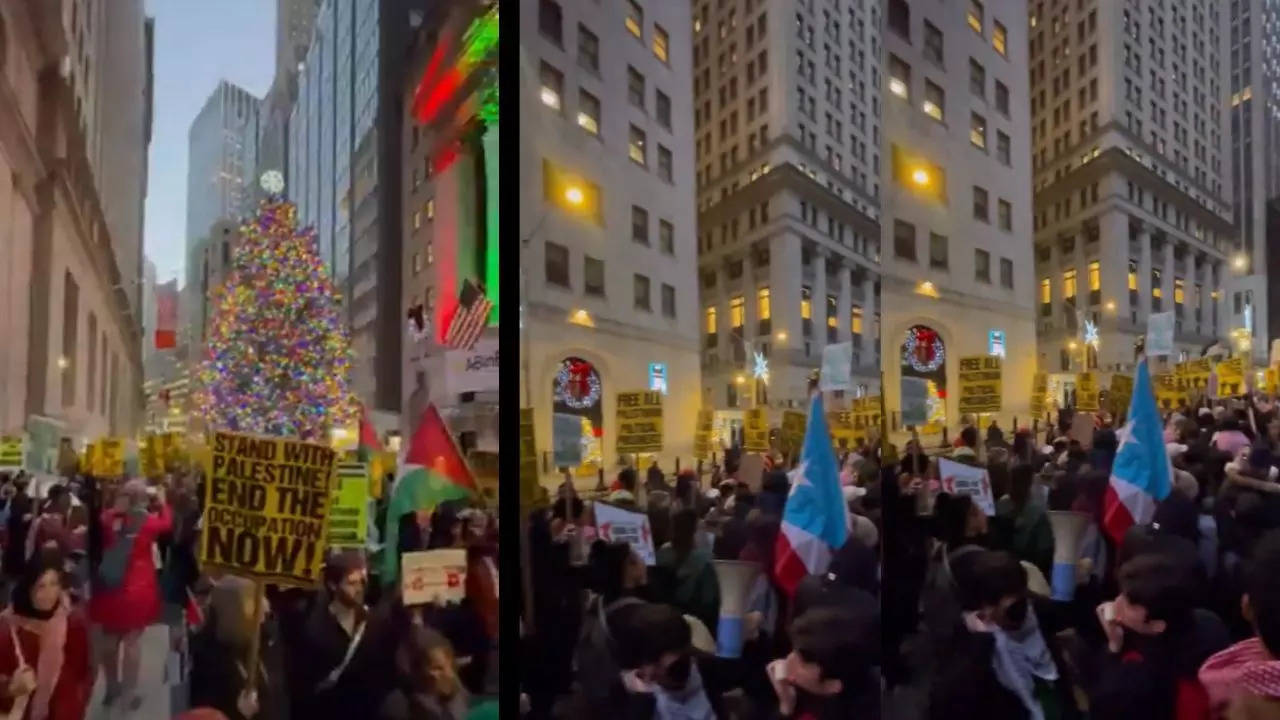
x=154 y=692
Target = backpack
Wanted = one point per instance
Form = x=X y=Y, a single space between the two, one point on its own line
x=115 y=559
x=595 y=663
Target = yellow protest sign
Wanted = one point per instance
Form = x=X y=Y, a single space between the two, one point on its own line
x=981 y=386
x=528 y=461
x=702 y=435
x=108 y=458
x=639 y=422
x=1195 y=375
x=1273 y=380
x=844 y=436
x=349 y=513
x=1231 y=377
x=1039 y=394
x=151 y=454
x=267 y=505
x=792 y=435
x=1121 y=393
x=1169 y=396
x=1087 y=389
x=11 y=452
x=755 y=430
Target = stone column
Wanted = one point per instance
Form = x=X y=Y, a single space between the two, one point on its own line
x=1144 y=275
x=751 y=313
x=819 y=295
x=843 y=304
x=1166 y=276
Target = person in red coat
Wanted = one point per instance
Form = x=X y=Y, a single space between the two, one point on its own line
x=126 y=593
x=45 y=669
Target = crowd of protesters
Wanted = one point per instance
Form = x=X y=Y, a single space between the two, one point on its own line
x=90 y=565
x=611 y=637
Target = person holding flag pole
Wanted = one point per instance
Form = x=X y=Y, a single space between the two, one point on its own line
x=1142 y=474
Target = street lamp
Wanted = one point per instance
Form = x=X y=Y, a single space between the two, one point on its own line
x=573 y=194
x=63 y=362
x=1240 y=262
x=920 y=177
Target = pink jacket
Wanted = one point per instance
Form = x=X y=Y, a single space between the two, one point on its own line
x=1243 y=668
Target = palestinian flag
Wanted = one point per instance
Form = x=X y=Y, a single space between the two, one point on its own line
x=368 y=437
x=431 y=471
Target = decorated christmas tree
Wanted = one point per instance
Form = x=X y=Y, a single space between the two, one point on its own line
x=279 y=357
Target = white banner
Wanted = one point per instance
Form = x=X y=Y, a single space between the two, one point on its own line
x=474 y=370
x=1159 y=334
x=915 y=401
x=837 y=367
x=433 y=576
x=613 y=524
x=961 y=479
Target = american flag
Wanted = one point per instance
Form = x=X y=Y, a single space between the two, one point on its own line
x=470 y=318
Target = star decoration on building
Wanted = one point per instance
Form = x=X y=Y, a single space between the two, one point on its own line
x=273 y=182
x=761 y=369
x=1090 y=333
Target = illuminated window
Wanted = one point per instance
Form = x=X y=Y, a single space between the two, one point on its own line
x=737 y=312
x=978 y=131
x=1133 y=276
x=1095 y=276
x=711 y=320
x=635 y=18
x=832 y=312
x=999 y=38
x=417 y=219
x=1178 y=288
x=762 y=303
x=974 y=16
x=806 y=305
x=934 y=101
x=588 y=112
x=855 y=320
x=635 y=146
x=899 y=77
x=660 y=41
x=431 y=208
x=1046 y=295
x=1069 y=285
x=552 y=86
x=1156 y=291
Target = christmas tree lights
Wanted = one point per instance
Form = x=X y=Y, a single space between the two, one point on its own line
x=279 y=356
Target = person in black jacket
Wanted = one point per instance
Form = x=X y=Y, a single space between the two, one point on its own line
x=220 y=655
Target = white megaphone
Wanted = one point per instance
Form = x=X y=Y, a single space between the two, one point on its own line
x=1068 y=529
x=736 y=578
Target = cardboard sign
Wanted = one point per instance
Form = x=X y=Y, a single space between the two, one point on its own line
x=1159 y=334
x=267 y=503
x=915 y=401
x=960 y=479
x=44 y=436
x=1039 y=394
x=639 y=422
x=751 y=471
x=981 y=386
x=614 y=524
x=566 y=440
x=1194 y=374
x=1121 y=394
x=349 y=509
x=433 y=576
x=1083 y=425
x=12 y=451
x=1169 y=396
x=528 y=461
x=837 y=367
x=840 y=425
x=108 y=457
x=1231 y=377
x=792 y=435
x=152 y=456
x=755 y=430
x=1087 y=388
x=702 y=435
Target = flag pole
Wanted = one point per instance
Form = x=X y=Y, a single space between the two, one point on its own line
x=885 y=448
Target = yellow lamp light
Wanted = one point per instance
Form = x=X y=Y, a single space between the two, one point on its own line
x=574 y=195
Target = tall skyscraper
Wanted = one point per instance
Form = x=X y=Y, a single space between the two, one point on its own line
x=607 y=217
x=1253 y=46
x=1132 y=178
x=222 y=154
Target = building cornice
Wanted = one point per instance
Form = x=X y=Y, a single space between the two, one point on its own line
x=787 y=176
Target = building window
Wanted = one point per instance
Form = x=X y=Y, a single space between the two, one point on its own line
x=932 y=44
x=588 y=112
x=552 y=87
x=1069 y=287
x=1179 y=289
x=417 y=219
x=639 y=225
x=1004 y=215
x=833 y=319
x=980 y=204
x=1002 y=98
x=660 y=41
x=709 y=316
x=934 y=101
x=1046 y=297
x=982 y=266
x=1157 y=293
x=1002 y=148
x=899 y=18
x=977 y=79
x=417 y=263
x=70 y=338
x=1006 y=273
x=635 y=146
x=593 y=276
x=974 y=16
x=549 y=21
x=978 y=131
x=1095 y=282
x=668 y=300
x=937 y=251
x=635 y=87
x=664 y=163
x=999 y=38
x=635 y=18
x=737 y=314
x=764 y=311
x=642 y=293
x=899 y=77
x=904 y=240
x=588 y=49
x=662 y=108
x=430 y=207
x=557 y=268
x=806 y=310
x=666 y=237
x=855 y=321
